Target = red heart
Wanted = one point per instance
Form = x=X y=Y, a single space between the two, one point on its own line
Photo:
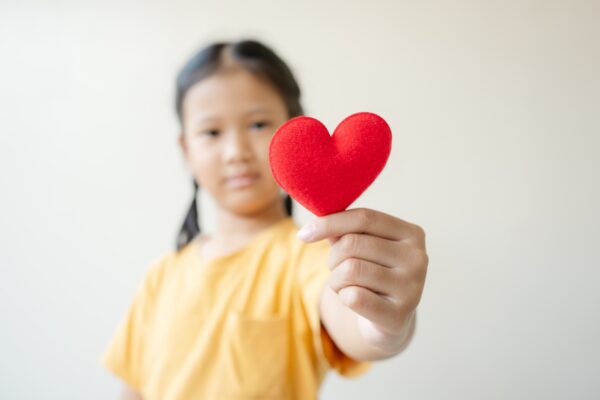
x=327 y=173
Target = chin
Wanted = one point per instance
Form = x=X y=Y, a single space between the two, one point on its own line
x=249 y=205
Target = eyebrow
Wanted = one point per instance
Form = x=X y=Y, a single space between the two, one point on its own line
x=257 y=110
x=204 y=119
x=251 y=111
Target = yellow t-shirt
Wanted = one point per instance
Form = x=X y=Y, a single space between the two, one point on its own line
x=245 y=325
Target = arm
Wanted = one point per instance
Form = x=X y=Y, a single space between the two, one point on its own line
x=378 y=265
x=342 y=325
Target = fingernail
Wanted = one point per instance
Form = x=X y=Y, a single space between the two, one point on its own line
x=307 y=232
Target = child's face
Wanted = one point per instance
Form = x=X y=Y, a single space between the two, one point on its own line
x=228 y=120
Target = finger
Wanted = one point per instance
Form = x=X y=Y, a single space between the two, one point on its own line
x=332 y=240
x=360 y=220
x=355 y=272
x=370 y=305
x=370 y=248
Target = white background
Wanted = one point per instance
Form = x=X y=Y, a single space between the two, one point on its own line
x=495 y=110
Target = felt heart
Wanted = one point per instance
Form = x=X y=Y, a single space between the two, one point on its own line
x=326 y=173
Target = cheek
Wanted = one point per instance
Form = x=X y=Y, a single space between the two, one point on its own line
x=205 y=165
x=261 y=152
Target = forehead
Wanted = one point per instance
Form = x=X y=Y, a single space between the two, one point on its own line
x=229 y=93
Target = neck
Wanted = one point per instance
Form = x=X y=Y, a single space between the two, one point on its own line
x=237 y=227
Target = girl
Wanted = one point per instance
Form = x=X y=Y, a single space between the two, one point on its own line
x=259 y=309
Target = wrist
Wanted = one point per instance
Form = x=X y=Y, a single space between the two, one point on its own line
x=385 y=342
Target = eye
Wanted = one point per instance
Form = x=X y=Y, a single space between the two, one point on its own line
x=209 y=132
x=258 y=125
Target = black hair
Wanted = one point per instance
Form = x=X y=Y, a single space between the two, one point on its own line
x=254 y=57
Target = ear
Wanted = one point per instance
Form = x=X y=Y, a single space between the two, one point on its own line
x=185 y=151
x=184 y=148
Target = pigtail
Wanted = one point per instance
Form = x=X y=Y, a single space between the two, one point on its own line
x=190 y=227
x=287 y=202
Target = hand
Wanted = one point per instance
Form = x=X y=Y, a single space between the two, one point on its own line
x=378 y=264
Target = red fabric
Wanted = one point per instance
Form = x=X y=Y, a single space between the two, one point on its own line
x=327 y=173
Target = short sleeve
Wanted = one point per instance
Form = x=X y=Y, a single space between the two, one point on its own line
x=124 y=354
x=313 y=274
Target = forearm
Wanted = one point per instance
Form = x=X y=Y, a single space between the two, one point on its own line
x=343 y=327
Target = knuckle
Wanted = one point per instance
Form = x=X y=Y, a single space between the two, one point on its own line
x=364 y=217
x=413 y=301
x=335 y=281
x=419 y=232
x=405 y=304
x=342 y=275
x=352 y=270
x=416 y=266
x=424 y=265
x=354 y=297
x=349 y=243
x=413 y=294
x=421 y=258
x=400 y=276
x=332 y=263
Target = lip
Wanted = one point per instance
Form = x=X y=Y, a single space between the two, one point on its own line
x=240 y=181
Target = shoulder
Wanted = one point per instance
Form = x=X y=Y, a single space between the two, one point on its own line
x=165 y=266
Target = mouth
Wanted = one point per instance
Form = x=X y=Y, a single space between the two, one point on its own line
x=240 y=181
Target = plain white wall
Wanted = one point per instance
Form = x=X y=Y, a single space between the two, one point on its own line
x=495 y=109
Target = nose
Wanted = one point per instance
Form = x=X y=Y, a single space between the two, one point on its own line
x=237 y=147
